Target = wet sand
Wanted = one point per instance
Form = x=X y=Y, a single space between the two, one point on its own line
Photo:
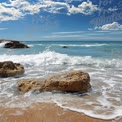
x=45 y=112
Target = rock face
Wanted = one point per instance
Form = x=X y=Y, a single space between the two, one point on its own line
x=8 y=69
x=13 y=44
x=72 y=81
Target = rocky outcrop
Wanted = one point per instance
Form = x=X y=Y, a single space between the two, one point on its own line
x=13 y=44
x=9 y=69
x=72 y=81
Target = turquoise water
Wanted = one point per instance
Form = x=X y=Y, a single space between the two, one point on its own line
x=101 y=59
x=103 y=49
x=81 y=48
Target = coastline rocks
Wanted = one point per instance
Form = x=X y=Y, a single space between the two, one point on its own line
x=13 y=44
x=9 y=69
x=71 y=81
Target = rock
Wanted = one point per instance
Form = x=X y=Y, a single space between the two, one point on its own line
x=26 y=85
x=13 y=44
x=8 y=69
x=64 y=46
x=71 y=81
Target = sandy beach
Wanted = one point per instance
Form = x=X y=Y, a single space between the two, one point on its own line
x=60 y=60
x=45 y=112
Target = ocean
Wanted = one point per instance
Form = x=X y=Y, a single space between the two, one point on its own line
x=101 y=59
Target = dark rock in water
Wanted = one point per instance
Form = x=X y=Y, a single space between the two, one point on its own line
x=9 y=69
x=64 y=46
x=72 y=81
x=13 y=44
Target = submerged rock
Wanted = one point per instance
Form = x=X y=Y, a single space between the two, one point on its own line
x=8 y=69
x=71 y=81
x=13 y=44
x=64 y=46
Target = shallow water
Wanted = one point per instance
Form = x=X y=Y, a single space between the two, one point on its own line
x=102 y=60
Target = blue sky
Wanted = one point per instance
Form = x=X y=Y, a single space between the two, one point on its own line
x=61 y=20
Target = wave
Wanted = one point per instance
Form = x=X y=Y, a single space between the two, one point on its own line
x=90 y=108
x=86 y=45
x=104 y=101
x=30 y=45
x=51 y=57
x=3 y=44
x=70 y=45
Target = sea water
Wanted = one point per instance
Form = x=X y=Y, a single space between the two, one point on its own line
x=101 y=59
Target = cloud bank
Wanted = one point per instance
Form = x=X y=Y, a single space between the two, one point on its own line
x=110 y=26
x=16 y=9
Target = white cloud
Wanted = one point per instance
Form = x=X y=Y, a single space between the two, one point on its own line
x=56 y=7
x=70 y=1
x=86 y=8
x=23 y=6
x=69 y=32
x=62 y=36
x=16 y=9
x=7 y=13
x=111 y=26
x=90 y=29
x=3 y=28
x=84 y=35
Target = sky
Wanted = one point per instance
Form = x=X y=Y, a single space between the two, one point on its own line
x=90 y=20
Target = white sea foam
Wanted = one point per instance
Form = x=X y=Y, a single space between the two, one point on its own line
x=91 y=113
x=98 y=107
x=3 y=44
x=104 y=101
x=30 y=45
x=73 y=45
x=86 y=45
x=39 y=44
x=51 y=57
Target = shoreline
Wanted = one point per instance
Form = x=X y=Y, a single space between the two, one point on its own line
x=46 y=112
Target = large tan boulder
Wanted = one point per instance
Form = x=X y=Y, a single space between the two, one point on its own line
x=9 y=69
x=26 y=85
x=71 y=81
